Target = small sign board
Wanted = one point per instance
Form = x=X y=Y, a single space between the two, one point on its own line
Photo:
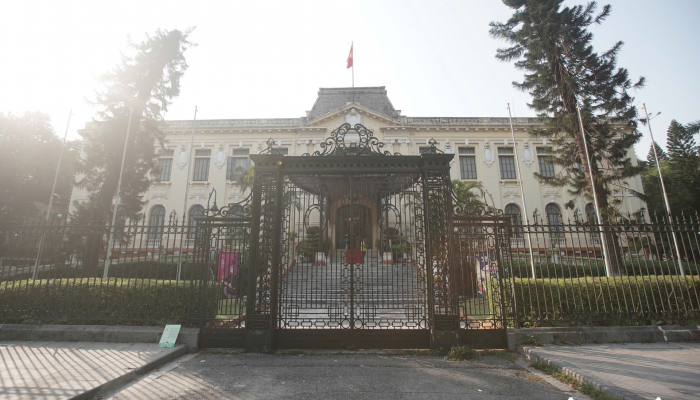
x=169 y=336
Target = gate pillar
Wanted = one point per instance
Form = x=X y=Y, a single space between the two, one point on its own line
x=443 y=311
x=265 y=239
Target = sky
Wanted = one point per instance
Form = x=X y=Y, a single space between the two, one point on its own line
x=267 y=59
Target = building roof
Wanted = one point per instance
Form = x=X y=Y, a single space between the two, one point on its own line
x=374 y=98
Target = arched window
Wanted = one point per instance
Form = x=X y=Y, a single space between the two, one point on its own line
x=554 y=219
x=195 y=212
x=156 y=222
x=593 y=220
x=513 y=211
x=590 y=213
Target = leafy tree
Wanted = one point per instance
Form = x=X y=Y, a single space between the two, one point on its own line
x=553 y=45
x=143 y=83
x=29 y=154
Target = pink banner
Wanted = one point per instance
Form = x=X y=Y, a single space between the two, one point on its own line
x=229 y=273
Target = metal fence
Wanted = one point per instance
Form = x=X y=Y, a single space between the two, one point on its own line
x=636 y=271
x=61 y=273
x=568 y=273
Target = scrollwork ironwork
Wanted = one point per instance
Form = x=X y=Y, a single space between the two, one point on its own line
x=433 y=148
x=232 y=210
x=338 y=144
x=270 y=149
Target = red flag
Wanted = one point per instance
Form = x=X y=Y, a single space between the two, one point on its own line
x=350 y=57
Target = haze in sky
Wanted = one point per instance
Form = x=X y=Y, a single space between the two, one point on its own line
x=262 y=59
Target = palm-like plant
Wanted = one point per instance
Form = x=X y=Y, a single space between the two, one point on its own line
x=468 y=195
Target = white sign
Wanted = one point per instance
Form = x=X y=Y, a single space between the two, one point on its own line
x=169 y=336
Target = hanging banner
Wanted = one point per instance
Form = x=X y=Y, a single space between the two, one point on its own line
x=229 y=274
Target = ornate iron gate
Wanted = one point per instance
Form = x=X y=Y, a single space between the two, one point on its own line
x=349 y=246
x=221 y=242
x=481 y=267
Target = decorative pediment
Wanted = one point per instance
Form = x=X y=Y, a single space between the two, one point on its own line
x=352 y=110
x=351 y=140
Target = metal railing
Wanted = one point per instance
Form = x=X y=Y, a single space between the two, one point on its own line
x=41 y=266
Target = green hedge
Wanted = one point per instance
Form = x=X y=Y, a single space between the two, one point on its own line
x=96 y=301
x=522 y=269
x=624 y=300
x=118 y=269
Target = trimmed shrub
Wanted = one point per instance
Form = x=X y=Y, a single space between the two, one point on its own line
x=642 y=300
x=97 y=301
x=522 y=269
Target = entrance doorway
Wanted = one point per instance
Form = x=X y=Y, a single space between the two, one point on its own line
x=353 y=224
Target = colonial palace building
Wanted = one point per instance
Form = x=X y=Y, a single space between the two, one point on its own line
x=483 y=148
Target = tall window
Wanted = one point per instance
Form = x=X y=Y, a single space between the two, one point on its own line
x=240 y=159
x=467 y=162
x=592 y=219
x=506 y=161
x=281 y=150
x=513 y=211
x=165 y=165
x=545 y=161
x=554 y=219
x=423 y=149
x=195 y=212
x=201 y=165
x=156 y=222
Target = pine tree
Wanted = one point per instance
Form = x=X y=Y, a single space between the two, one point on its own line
x=659 y=153
x=684 y=160
x=144 y=83
x=553 y=45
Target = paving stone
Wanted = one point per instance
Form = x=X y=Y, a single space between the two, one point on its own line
x=62 y=370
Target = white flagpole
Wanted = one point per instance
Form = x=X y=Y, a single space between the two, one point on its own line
x=53 y=189
x=187 y=189
x=352 y=49
x=604 y=243
x=7 y=122
x=522 y=193
x=116 y=201
x=663 y=188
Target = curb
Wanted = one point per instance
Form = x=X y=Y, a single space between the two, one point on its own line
x=95 y=333
x=179 y=350
x=603 y=334
x=532 y=354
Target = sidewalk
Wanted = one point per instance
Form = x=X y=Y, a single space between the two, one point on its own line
x=670 y=371
x=64 y=370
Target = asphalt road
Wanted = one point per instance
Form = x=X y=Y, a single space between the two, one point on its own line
x=354 y=376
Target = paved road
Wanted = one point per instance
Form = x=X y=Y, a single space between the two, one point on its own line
x=670 y=371
x=355 y=376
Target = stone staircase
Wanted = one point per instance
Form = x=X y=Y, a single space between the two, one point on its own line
x=384 y=295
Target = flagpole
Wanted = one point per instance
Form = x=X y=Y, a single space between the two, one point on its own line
x=53 y=189
x=522 y=193
x=105 y=275
x=604 y=242
x=7 y=122
x=352 y=46
x=187 y=189
x=663 y=188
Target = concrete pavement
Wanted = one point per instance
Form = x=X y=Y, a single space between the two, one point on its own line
x=229 y=375
x=670 y=371
x=64 y=370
